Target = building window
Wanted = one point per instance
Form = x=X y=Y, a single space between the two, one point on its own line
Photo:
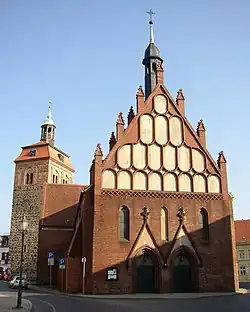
x=242 y=254
x=56 y=179
x=124 y=223
x=248 y=254
x=31 y=178
x=243 y=270
x=164 y=224
x=27 y=178
x=3 y=256
x=204 y=224
x=53 y=178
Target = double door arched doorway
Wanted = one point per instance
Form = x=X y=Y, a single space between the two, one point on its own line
x=183 y=274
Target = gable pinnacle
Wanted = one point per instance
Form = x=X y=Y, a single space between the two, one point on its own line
x=140 y=91
x=221 y=158
x=120 y=120
x=112 y=141
x=180 y=95
x=98 y=150
x=131 y=114
x=200 y=126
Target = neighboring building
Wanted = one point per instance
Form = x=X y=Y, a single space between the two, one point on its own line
x=4 y=253
x=156 y=216
x=242 y=237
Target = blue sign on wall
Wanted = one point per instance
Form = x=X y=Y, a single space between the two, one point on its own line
x=51 y=255
x=62 y=261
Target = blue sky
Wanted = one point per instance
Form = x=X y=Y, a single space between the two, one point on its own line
x=85 y=57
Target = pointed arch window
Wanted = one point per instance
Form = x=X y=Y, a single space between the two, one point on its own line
x=27 y=178
x=31 y=178
x=204 y=224
x=124 y=223
x=164 y=224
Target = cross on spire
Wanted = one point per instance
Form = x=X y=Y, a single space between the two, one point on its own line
x=150 y=12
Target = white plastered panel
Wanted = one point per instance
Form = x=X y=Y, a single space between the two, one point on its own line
x=140 y=181
x=213 y=184
x=146 y=129
x=199 y=183
x=124 y=156
x=154 y=157
x=170 y=182
x=161 y=130
x=108 y=179
x=169 y=157
x=175 y=129
x=155 y=181
x=160 y=104
x=198 y=160
x=185 y=183
x=184 y=158
x=139 y=156
x=124 y=180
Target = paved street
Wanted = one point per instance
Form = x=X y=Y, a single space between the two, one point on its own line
x=44 y=302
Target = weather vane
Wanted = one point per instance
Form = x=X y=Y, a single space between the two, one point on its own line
x=151 y=16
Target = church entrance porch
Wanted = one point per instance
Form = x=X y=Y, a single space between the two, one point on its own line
x=146 y=274
x=184 y=274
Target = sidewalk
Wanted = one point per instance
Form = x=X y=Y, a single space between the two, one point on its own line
x=141 y=296
x=8 y=304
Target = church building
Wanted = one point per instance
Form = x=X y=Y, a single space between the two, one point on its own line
x=156 y=216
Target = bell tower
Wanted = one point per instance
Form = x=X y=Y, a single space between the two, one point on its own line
x=48 y=128
x=152 y=62
x=37 y=164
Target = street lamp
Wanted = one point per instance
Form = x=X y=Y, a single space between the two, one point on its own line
x=23 y=227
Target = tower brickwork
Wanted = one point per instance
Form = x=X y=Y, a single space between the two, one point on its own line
x=37 y=164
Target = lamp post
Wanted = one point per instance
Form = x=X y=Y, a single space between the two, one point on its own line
x=23 y=227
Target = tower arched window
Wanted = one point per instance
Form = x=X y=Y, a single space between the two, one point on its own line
x=27 y=178
x=164 y=224
x=31 y=178
x=3 y=256
x=204 y=224
x=124 y=223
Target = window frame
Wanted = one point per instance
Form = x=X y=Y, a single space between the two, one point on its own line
x=124 y=220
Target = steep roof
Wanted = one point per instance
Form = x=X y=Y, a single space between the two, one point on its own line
x=242 y=231
x=60 y=204
x=43 y=150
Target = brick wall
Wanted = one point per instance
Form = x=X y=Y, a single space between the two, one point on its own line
x=217 y=271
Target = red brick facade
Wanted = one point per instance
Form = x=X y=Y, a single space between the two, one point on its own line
x=199 y=255
x=213 y=261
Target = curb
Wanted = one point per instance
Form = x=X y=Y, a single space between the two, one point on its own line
x=142 y=297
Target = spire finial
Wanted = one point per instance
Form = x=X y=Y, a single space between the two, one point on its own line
x=151 y=26
x=50 y=110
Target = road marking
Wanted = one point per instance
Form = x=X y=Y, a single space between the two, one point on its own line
x=50 y=304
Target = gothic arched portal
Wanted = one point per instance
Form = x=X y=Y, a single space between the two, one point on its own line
x=184 y=272
x=146 y=273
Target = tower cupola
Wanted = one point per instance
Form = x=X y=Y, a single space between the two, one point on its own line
x=48 y=128
x=152 y=61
